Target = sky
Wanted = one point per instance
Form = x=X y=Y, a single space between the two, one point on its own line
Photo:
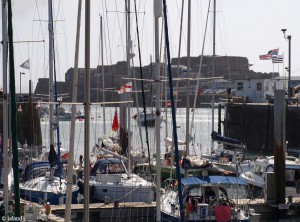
x=246 y=28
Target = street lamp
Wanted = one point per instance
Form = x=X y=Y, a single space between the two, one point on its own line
x=289 y=37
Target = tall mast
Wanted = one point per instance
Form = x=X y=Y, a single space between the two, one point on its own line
x=213 y=72
x=128 y=95
x=102 y=70
x=51 y=59
x=72 y=130
x=188 y=82
x=13 y=112
x=5 y=105
x=157 y=15
x=87 y=112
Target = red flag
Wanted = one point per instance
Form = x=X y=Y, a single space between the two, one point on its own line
x=169 y=104
x=115 y=124
x=65 y=156
x=199 y=92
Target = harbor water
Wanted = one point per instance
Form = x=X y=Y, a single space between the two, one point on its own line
x=200 y=133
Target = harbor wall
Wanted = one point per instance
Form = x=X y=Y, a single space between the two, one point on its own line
x=253 y=124
x=28 y=124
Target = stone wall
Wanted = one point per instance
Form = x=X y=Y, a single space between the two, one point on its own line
x=254 y=125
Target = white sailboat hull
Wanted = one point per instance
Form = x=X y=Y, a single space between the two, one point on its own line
x=121 y=188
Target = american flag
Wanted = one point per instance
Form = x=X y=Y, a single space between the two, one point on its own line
x=277 y=59
x=271 y=53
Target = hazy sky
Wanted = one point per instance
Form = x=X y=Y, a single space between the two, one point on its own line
x=245 y=28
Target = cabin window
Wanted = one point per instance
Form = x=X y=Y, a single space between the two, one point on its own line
x=258 y=86
x=240 y=86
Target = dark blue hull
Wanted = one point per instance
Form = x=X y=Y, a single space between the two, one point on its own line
x=40 y=196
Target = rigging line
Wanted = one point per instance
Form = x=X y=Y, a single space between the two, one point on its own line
x=65 y=36
x=226 y=41
x=199 y=71
x=118 y=19
x=56 y=100
x=142 y=84
x=108 y=36
x=107 y=42
x=137 y=109
x=55 y=28
x=179 y=50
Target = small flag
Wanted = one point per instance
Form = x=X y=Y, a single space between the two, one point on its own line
x=115 y=125
x=65 y=156
x=271 y=53
x=125 y=88
x=26 y=64
x=277 y=59
x=199 y=92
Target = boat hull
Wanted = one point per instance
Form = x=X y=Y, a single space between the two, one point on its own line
x=44 y=197
x=99 y=192
x=194 y=218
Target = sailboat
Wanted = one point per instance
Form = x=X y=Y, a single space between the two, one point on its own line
x=256 y=173
x=111 y=181
x=42 y=182
x=40 y=186
x=172 y=202
x=219 y=207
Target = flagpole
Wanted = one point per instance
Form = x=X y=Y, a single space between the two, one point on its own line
x=283 y=65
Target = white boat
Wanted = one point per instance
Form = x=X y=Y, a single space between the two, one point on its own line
x=256 y=175
x=110 y=181
x=40 y=186
x=149 y=121
x=198 y=208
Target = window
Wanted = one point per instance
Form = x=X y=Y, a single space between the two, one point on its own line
x=258 y=86
x=240 y=86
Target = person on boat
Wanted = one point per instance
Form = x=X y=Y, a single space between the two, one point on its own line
x=81 y=161
x=208 y=193
x=79 y=170
x=52 y=158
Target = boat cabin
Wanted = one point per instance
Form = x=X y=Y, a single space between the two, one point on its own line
x=108 y=166
x=196 y=188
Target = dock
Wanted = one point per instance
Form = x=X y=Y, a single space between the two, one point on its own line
x=145 y=212
x=131 y=211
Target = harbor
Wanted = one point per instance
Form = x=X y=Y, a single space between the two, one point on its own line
x=136 y=129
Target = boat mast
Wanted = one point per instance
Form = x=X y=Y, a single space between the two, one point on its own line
x=87 y=112
x=213 y=72
x=129 y=56
x=13 y=106
x=173 y=113
x=73 y=112
x=5 y=106
x=187 y=135
x=51 y=62
x=157 y=15
x=102 y=70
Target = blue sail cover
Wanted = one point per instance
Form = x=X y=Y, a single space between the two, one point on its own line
x=213 y=180
x=218 y=137
x=35 y=169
